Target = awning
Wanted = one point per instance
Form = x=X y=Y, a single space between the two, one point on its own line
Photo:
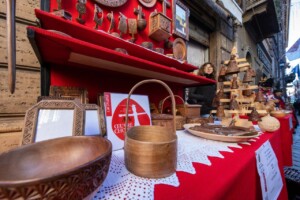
x=294 y=52
x=260 y=19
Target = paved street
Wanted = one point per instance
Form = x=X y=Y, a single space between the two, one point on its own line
x=292 y=174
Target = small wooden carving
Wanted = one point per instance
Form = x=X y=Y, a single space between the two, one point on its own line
x=110 y=17
x=98 y=20
x=122 y=24
x=141 y=22
x=233 y=105
x=220 y=111
x=234 y=84
x=58 y=5
x=254 y=116
x=248 y=76
x=81 y=8
x=132 y=26
x=260 y=96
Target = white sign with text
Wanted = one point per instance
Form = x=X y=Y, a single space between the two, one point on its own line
x=268 y=170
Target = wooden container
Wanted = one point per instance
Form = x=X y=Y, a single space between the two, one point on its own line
x=61 y=168
x=164 y=120
x=180 y=120
x=150 y=151
x=159 y=27
x=189 y=110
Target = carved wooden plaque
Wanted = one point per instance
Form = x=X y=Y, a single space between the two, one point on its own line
x=111 y=3
x=179 y=49
x=148 y=3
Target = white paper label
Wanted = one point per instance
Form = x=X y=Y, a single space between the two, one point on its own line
x=268 y=170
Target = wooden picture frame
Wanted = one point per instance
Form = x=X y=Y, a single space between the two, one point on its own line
x=181 y=15
x=73 y=92
x=93 y=124
x=58 y=118
x=100 y=103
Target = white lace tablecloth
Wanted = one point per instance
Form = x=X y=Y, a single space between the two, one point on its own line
x=121 y=184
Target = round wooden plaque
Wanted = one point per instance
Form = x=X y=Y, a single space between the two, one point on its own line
x=179 y=49
x=111 y=3
x=148 y=3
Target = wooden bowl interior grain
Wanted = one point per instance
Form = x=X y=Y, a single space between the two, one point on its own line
x=52 y=157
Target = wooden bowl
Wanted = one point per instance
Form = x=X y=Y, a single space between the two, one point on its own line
x=278 y=114
x=62 y=168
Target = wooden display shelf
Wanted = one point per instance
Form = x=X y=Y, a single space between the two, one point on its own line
x=49 y=21
x=62 y=50
x=238 y=100
x=251 y=87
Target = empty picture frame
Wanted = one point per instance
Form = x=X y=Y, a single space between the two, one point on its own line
x=74 y=92
x=92 y=122
x=181 y=15
x=50 y=119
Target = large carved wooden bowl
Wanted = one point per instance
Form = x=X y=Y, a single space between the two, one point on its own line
x=63 y=168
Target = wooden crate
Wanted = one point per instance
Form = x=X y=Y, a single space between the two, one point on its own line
x=189 y=110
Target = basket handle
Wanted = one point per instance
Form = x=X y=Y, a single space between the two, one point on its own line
x=163 y=102
x=153 y=81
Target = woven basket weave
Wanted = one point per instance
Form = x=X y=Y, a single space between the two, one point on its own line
x=151 y=151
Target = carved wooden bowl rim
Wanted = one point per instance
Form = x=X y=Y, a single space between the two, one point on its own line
x=64 y=173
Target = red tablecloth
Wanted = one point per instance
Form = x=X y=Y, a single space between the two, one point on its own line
x=287 y=129
x=234 y=177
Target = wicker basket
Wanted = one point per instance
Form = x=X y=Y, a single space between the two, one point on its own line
x=151 y=151
x=180 y=120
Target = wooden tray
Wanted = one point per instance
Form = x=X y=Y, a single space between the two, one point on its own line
x=217 y=137
x=179 y=49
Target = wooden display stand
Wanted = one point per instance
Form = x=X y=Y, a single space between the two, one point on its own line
x=235 y=88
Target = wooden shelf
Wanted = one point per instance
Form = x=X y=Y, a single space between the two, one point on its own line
x=49 y=21
x=62 y=50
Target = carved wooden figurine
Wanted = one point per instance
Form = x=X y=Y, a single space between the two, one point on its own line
x=234 y=84
x=81 y=8
x=233 y=105
x=232 y=67
x=98 y=20
x=132 y=28
x=122 y=24
x=58 y=5
x=248 y=76
x=110 y=17
x=141 y=21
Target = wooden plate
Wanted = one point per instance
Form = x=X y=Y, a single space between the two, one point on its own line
x=148 y=3
x=222 y=138
x=179 y=49
x=111 y=3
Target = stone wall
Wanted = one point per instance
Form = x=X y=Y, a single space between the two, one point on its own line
x=14 y=106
